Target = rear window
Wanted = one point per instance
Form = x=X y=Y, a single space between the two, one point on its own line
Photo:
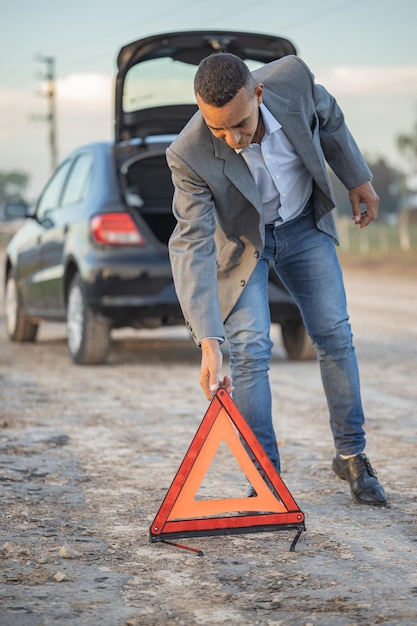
x=161 y=82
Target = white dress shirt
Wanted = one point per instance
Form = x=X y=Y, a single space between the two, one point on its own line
x=279 y=173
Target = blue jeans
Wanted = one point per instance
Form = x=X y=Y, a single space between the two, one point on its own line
x=305 y=260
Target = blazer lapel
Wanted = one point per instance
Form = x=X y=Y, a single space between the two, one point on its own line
x=302 y=138
x=236 y=170
x=300 y=135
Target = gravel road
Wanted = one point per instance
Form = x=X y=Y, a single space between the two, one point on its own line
x=88 y=453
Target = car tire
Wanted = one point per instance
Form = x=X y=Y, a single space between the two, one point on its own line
x=88 y=334
x=296 y=341
x=19 y=326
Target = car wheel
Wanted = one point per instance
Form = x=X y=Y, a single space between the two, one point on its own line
x=296 y=341
x=19 y=327
x=88 y=334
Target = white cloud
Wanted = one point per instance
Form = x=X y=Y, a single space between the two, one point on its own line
x=85 y=90
x=370 y=81
x=84 y=110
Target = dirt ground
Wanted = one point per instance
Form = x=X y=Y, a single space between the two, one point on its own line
x=88 y=453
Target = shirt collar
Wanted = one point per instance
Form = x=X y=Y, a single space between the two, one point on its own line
x=271 y=124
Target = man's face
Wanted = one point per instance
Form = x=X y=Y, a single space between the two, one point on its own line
x=234 y=123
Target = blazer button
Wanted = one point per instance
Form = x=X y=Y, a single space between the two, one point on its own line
x=242 y=283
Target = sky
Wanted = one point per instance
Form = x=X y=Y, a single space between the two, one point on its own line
x=363 y=51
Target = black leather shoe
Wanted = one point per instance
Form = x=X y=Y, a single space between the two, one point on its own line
x=362 y=479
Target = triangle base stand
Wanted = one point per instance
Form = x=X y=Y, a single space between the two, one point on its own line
x=300 y=529
x=182 y=516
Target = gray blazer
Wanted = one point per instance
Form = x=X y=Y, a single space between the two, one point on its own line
x=220 y=231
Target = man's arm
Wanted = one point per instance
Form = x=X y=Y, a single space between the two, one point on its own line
x=193 y=251
x=344 y=157
x=194 y=267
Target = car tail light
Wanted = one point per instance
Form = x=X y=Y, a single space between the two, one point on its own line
x=116 y=229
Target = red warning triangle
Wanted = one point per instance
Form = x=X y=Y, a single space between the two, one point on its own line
x=182 y=515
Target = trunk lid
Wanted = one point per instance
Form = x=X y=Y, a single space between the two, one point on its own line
x=154 y=85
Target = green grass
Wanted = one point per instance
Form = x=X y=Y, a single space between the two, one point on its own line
x=376 y=238
x=378 y=248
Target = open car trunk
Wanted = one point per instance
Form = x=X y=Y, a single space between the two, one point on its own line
x=154 y=101
x=149 y=190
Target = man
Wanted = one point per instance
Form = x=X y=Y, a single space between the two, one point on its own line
x=251 y=188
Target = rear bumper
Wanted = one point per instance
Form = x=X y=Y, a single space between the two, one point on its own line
x=140 y=292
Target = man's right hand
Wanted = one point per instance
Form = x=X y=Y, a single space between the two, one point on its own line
x=211 y=364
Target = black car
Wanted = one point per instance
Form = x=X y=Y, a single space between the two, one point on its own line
x=93 y=252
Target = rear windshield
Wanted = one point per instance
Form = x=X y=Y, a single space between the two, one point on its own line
x=161 y=82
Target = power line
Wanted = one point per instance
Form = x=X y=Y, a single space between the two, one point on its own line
x=308 y=19
x=113 y=31
x=99 y=37
x=318 y=15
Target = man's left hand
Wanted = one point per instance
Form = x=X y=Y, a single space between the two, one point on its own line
x=364 y=194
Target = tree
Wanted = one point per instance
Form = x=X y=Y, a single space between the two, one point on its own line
x=407 y=145
x=13 y=185
x=390 y=185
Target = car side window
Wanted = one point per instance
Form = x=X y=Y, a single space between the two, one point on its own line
x=51 y=196
x=78 y=183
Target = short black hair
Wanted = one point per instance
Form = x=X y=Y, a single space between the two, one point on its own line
x=219 y=78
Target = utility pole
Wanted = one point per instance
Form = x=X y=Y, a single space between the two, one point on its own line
x=49 y=76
